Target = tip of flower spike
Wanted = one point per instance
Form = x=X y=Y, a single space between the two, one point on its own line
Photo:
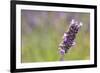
x=73 y=21
x=80 y=24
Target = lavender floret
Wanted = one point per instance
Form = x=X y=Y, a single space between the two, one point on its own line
x=69 y=37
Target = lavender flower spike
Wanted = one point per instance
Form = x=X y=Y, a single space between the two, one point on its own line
x=69 y=37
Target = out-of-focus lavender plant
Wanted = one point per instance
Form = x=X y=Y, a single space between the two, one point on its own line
x=69 y=38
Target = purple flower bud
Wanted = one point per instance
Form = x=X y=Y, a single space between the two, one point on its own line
x=62 y=51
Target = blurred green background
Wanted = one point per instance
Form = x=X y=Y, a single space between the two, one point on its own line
x=42 y=31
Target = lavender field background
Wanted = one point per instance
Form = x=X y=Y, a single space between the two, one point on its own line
x=42 y=32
